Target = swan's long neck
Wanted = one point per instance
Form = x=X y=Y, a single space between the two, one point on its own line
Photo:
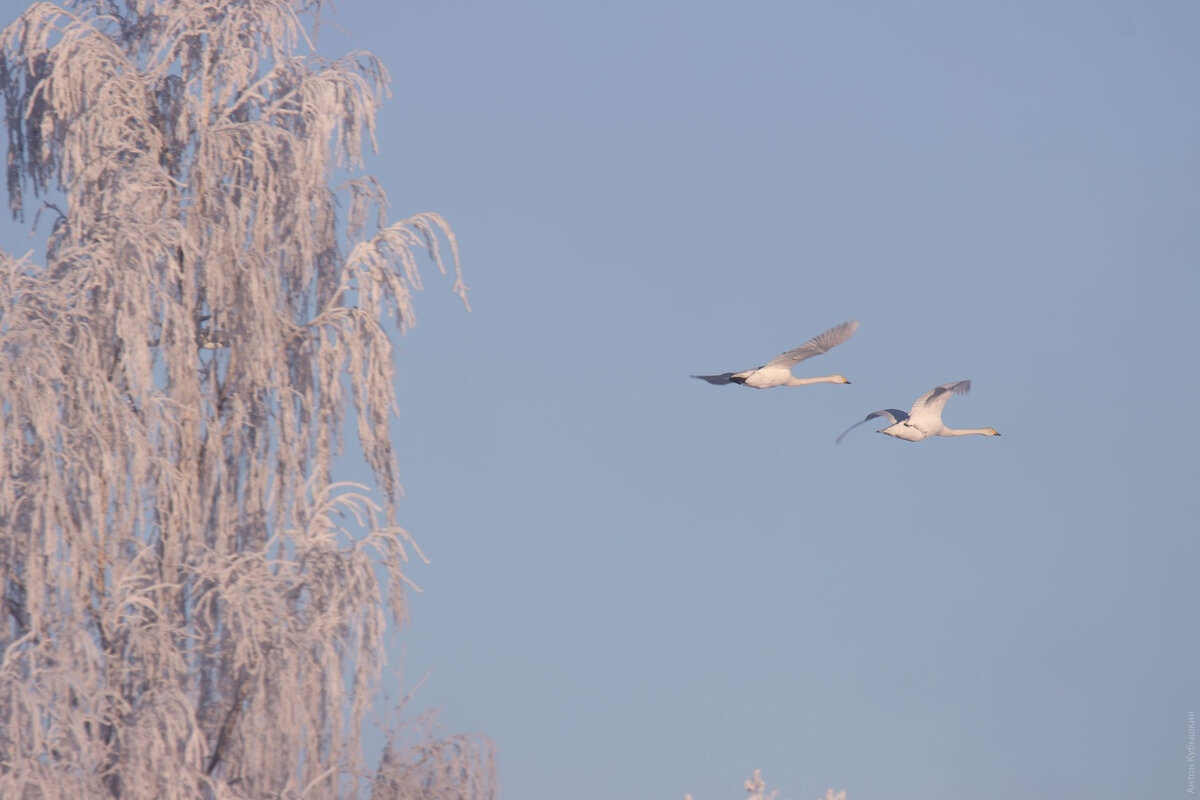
x=794 y=381
x=968 y=432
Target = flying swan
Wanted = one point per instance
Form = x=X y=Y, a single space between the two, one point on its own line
x=925 y=419
x=778 y=371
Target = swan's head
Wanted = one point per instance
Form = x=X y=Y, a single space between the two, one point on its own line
x=839 y=379
x=990 y=432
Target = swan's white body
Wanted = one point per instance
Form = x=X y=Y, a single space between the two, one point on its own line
x=925 y=419
x=778 y=371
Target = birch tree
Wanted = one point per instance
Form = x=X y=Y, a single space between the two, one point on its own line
x=193 y=606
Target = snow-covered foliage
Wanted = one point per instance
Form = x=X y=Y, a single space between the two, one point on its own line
x=192 y=606
x=757 y=789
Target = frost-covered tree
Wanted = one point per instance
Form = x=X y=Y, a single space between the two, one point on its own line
x=193 y=607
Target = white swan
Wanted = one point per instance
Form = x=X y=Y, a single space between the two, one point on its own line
x=925 y=419
x=778 y=371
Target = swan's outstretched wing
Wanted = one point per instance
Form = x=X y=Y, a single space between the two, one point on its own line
x=717 y=380
x=929 y=405
x=815 y=346
x=894 y=415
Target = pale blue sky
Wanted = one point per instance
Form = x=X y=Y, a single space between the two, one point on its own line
x=643 y=585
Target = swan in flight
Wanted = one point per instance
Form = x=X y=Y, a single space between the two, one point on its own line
x=925 y=419
x=778 y=371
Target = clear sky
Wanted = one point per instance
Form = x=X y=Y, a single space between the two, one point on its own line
x=641 y=584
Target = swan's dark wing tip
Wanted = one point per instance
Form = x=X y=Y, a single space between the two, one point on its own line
x=716 y=380
x=893 y=414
